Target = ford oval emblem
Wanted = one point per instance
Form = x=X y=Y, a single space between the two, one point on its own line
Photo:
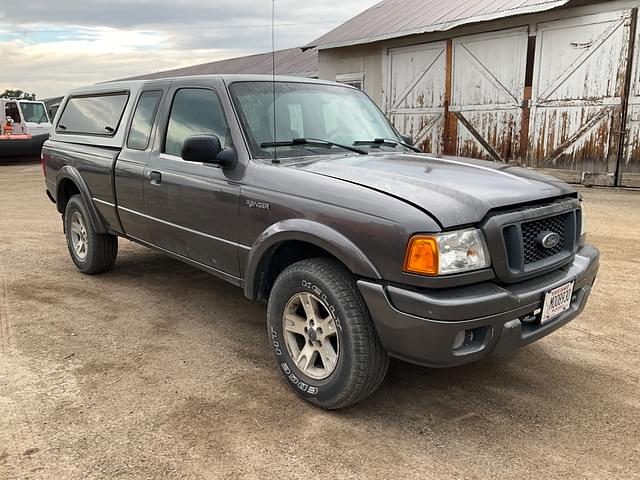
x=549 y=239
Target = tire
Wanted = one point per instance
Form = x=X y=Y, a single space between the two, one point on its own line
x=341 y=320
x=92 y=252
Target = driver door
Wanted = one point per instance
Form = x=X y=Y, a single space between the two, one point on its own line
x=192 y=207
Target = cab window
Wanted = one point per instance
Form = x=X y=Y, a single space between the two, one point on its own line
x=143 y=119
x=194 y=111
x=11 y=110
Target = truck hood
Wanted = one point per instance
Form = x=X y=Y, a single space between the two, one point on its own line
x=455 y=191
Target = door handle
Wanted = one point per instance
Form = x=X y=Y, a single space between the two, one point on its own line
x=155 y=178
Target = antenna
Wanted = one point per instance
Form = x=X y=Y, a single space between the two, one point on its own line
x=273 y=77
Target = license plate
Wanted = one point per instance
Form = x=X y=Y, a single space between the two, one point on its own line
x=556 y=301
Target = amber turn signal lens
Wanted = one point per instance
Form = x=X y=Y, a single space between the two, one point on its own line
x=422 y=256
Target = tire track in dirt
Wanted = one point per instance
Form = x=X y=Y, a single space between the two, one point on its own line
x=5 y=335
x=21 y=439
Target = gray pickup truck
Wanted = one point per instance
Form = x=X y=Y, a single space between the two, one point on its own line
x=363 y=247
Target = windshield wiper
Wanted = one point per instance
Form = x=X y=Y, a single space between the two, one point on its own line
x=387 y=142
x=312 y=142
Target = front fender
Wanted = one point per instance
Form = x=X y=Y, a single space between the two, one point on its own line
x=69 y=173
x=311 y=232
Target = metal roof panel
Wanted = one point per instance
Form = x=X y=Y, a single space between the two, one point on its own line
x=291 y=61
x=397 y=18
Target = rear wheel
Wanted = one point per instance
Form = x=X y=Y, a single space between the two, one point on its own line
x=92 y=252
x=322 y=334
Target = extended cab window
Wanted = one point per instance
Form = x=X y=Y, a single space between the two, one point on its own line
x=143 y=118
x=194 y=111
x=93 y=114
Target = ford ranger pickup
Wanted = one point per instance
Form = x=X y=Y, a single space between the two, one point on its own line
x=302 y=193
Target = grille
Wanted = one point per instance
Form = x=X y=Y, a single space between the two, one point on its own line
x=532 y=250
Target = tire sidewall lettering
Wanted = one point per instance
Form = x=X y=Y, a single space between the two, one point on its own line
x=275 y=342
x=286 y=369
x=279 y=349
x=307 y=285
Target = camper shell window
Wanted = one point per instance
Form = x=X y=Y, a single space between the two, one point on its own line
x=98 y=114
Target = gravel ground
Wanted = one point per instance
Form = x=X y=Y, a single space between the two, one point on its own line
x=157 y=370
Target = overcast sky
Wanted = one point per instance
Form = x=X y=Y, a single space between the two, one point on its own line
x=50 y=46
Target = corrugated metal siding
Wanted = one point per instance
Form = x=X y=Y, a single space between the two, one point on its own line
x=396 y=18
x=292 y=61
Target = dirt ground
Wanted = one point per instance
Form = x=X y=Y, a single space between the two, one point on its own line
x=157 y=370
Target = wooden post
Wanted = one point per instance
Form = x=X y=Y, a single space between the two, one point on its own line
x=628 y=80
x=526 y=101
x=450 y=136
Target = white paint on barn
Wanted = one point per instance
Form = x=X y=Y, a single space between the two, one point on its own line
x=487 y=93
x=416 y=93
x=576 y=115
x=564 y=109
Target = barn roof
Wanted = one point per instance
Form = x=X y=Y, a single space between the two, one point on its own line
x=398 y=18
x=292 y=61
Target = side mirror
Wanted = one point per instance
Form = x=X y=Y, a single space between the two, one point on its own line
x=408 y=140
x=207 y=149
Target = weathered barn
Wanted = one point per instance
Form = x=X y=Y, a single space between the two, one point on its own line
x=547 y=84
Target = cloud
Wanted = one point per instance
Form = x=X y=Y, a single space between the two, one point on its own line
x=49 y=47
x=50 y=69
x=172 y=13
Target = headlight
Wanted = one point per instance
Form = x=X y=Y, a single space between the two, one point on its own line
x=446 y=253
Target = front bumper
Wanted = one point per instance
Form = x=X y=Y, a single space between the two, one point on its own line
x=421 y=326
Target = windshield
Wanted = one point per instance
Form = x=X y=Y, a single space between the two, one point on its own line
x=306 y=110
x=33 y=112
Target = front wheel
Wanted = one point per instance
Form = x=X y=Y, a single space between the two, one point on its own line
x=92 y=252
x=322 y=334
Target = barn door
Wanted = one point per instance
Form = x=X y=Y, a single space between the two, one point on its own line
x=488 y=92
x=415 y=93
x=576 y=115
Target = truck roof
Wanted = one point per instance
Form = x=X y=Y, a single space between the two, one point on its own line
x=135 y=85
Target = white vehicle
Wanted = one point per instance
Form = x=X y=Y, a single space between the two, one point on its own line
x=24 y=127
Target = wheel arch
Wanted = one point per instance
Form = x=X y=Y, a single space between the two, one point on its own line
x=68 y=183
x=292 y=240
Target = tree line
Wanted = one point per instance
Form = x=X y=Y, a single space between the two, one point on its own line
x=19 y=94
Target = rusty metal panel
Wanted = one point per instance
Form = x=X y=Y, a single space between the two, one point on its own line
x=577 y=104
x=415 y=93
x=488 y=91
